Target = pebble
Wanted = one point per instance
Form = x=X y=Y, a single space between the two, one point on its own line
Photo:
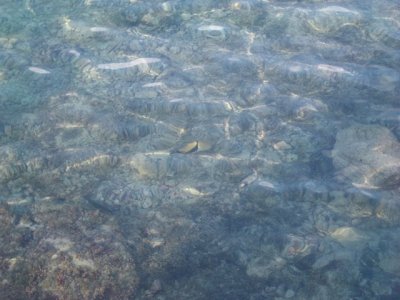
x=282 y=145
x=289 y=294
x=213 y=31
x=195 y=146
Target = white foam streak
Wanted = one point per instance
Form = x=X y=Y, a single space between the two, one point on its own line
x=129 y=64
x=38 y=70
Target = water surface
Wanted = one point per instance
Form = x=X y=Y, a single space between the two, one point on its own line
x=199 y=149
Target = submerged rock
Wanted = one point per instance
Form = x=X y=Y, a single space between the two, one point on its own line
x=368 y=156
x=61 y=251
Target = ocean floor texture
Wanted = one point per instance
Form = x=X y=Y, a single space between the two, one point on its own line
x=199 y=149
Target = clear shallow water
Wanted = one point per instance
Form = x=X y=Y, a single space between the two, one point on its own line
x=199 y=149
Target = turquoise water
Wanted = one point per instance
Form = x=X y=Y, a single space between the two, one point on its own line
x=199 y=149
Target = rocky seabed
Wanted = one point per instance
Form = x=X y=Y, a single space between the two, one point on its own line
x=199 y=149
